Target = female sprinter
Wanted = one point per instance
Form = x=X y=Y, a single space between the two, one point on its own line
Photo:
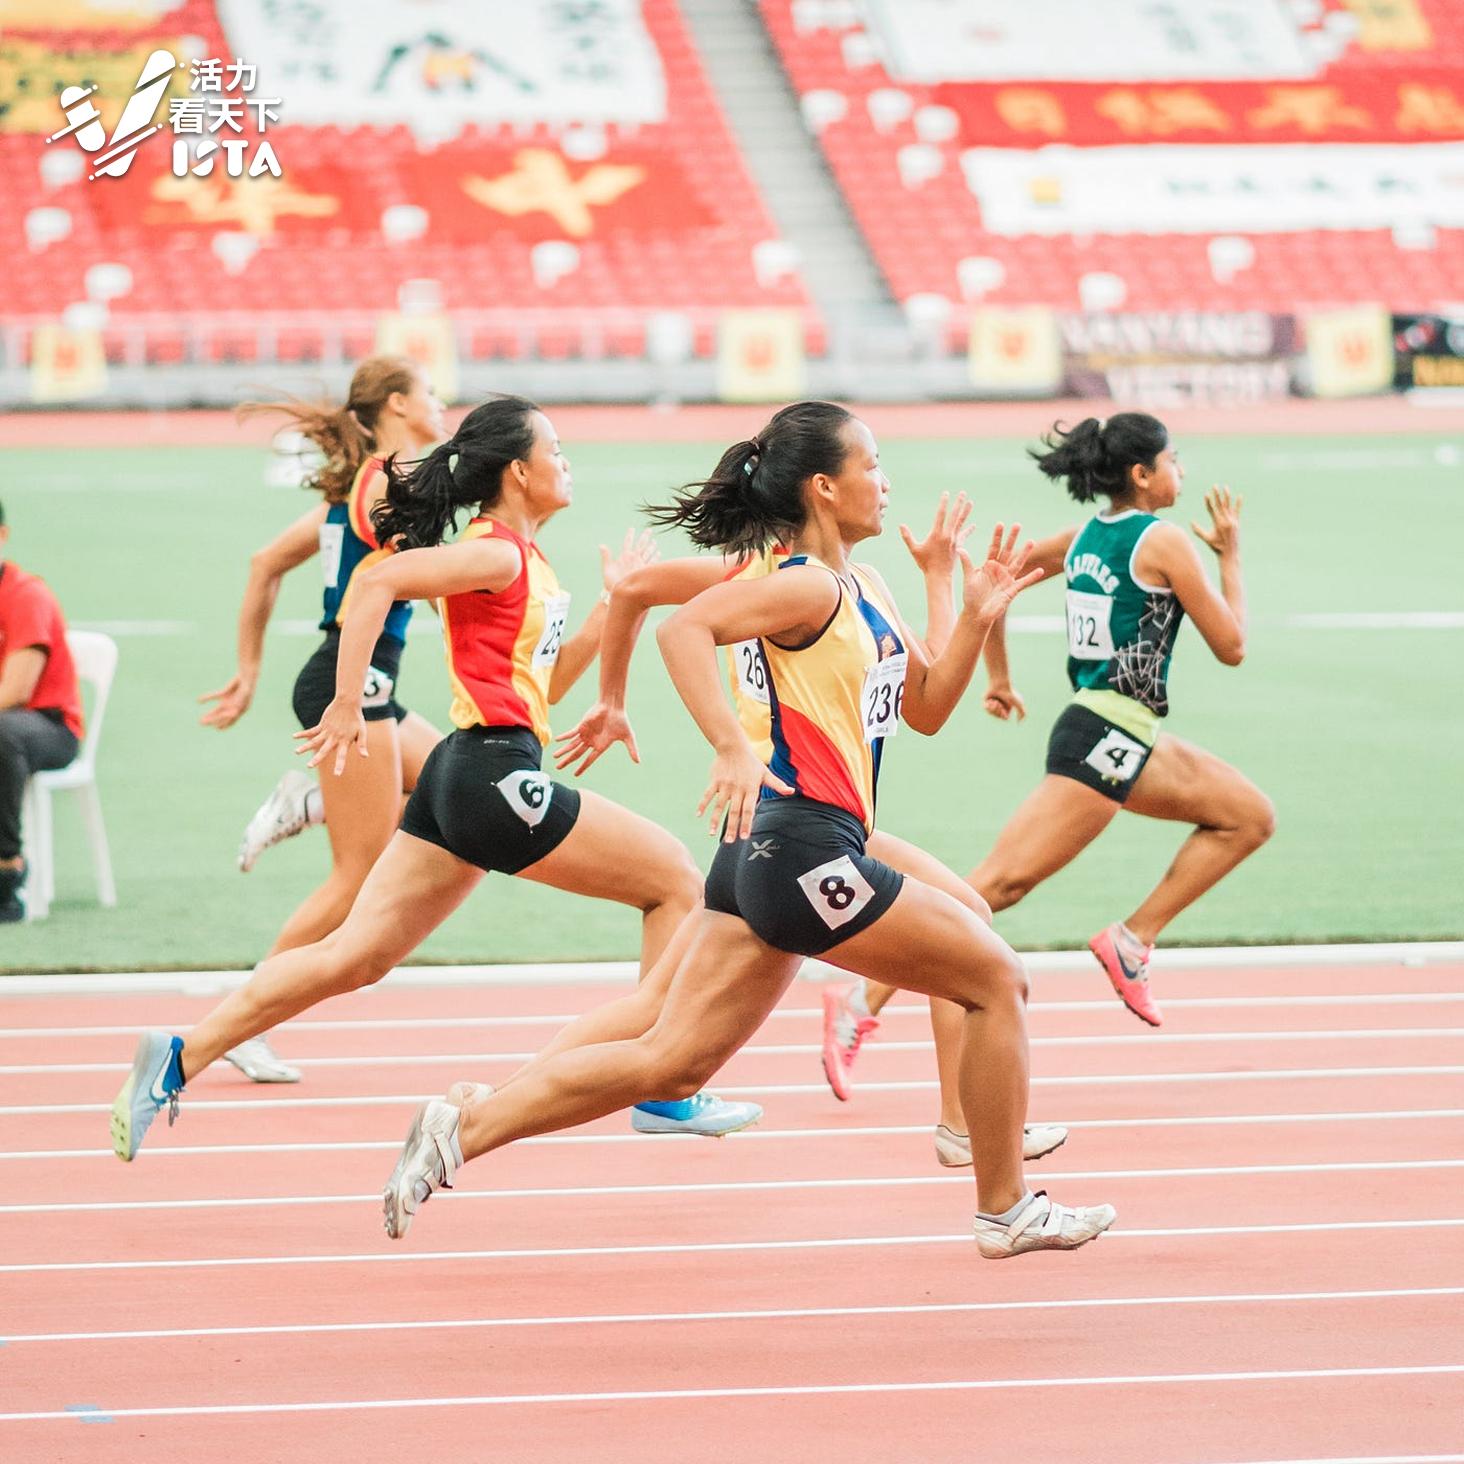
x=850 y=1011
x=390 y=409
x=481 y=802
x=1130 y=579
x=791 y=877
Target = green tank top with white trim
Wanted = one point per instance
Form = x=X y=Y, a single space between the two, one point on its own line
x=1120 y=630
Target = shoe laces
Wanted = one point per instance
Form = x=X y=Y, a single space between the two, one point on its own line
x=173 y=1107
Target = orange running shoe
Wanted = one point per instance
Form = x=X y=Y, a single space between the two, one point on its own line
x=1126 y=961
x=843 y=1035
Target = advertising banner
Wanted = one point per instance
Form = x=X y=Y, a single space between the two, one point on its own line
x=760 y=355
x=1015 y=352
x=1350 y=352
x=1428 y=351
x=66 y=365
x=428 y=340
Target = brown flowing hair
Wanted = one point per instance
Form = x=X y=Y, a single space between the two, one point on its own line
x=344 y=434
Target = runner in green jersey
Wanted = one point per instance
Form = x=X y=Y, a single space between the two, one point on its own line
x=1130 y=577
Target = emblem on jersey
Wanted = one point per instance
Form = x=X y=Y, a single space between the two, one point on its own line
x=528 y=794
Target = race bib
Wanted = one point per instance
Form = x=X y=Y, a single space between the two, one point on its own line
x=528 y=794
x=752 y=671
x=332 y=539
x=377 y=688
x=1117 y=757
x=883 y=695
x=836 y=890
x=556 y=612
x=1090 y=632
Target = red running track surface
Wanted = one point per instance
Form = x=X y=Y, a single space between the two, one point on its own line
x=1285 y=1280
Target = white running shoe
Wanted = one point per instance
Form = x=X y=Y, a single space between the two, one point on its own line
x=1038 y=1140
x=429 y=1159
x=1041 y=1224
x=259 y=1062
x=281 y=816
x=465 y=1092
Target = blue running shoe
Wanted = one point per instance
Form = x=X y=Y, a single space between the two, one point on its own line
x=704 y=1114
x=154 y=1083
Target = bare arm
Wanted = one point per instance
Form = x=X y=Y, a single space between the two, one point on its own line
x=580 y=649
x=1167 y=557
x=18 y=681
x=414 y=574
x=791 y=605
x=935 y=554
x=267 y=569
x=606 y=723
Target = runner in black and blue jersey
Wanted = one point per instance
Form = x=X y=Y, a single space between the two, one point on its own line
x=1131 y=578
x=390 y=409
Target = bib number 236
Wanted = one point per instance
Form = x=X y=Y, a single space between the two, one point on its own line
x=883 y=695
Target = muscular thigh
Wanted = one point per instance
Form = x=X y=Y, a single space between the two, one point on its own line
x=910 y=859
x=1183 y=782
x=1056 y=822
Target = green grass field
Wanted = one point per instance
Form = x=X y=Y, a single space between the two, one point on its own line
x=1355 y=732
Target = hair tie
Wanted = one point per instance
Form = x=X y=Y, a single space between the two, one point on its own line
x=750 y=465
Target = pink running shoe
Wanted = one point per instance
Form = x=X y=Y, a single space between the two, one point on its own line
x=843 y=1035
x=1127 y=965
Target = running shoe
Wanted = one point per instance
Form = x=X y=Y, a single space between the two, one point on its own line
x=843 y=1035
x=461 y=1094
x=154 y=1083
x=704 y=1114
x=1126 y=960
x=1038 y=1140
x=281 y=816
x=429 y=1159
x=1042 y=1224
x=259 y=1062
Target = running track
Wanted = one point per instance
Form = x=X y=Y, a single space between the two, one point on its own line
x=1285 y=1280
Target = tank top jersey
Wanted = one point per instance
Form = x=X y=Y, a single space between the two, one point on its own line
x=748 y=670
x=1120 y=630
x=502 y=644
x=833 y=702
x=347 y=543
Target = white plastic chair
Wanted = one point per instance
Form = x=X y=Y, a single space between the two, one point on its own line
x=96 y=664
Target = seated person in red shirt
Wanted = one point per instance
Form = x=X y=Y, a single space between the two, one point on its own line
x=40 y=706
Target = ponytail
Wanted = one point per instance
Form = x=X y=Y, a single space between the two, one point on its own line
x=344 y=434
x=1096 y=456
x=754 y=496
x=423 y=500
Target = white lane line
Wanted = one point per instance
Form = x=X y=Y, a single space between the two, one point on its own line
x=914 y=1085
x=1412 y=953
x=1363 y=1459
x=291 y=1329
x=705 y=1247
x=804 y=1049
x=730 y=1187
x=752 y=1135
x=808 y=1390
x=800 y=1014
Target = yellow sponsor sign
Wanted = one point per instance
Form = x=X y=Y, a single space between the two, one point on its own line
x=32 y=77
x=429 y=341
x=1015 y=351
x=66 y=365
x=760 y=355
x=1391 y=25
x=1350 y=351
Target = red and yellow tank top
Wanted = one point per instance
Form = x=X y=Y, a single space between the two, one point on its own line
x=834 y=700
x=748 y=672
x=502 y=644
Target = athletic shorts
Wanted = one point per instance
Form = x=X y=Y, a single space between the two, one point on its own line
x=1091 y=750
x=316 y=684
x=482 y=797
x=802 y=880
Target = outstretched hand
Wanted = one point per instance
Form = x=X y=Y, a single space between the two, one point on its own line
x=936 y=552
x=599 y=730
x=233 y=700
x=1223 y=535
x=340 y=728
x=991 y=587
x=635 y=553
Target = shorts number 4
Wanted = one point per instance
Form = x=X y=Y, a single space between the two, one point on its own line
x=1117 y=757
x=836 y=890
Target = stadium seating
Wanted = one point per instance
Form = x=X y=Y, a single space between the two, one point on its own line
x=310 y=256
x=897 y=148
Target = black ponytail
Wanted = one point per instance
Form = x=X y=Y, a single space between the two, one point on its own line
x=1096 y=456
x=423 y=500
x=755 y=494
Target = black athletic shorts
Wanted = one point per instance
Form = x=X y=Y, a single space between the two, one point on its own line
x=482 y=797
x=315 y=685
x=802 y=880
x=1092 y=750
